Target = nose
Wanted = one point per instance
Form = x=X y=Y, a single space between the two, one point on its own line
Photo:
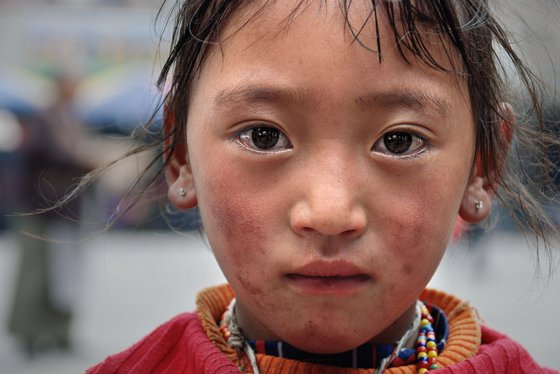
x=330 y=203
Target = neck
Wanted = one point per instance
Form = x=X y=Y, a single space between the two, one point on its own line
x=397 y=329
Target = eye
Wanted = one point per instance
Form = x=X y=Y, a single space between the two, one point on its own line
x=400 y=144
x=264 y=139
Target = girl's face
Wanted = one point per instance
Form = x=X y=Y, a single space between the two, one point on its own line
x=328 y=184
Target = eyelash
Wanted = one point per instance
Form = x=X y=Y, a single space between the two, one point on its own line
x=246 y=138
x=419 y=145
x=272 y=136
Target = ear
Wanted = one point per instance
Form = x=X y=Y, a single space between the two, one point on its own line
x=477 y=200
x=181 y=192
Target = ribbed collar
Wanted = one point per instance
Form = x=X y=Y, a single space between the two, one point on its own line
x=463 y=342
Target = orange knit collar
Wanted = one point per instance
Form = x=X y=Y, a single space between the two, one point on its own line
x=463 y=342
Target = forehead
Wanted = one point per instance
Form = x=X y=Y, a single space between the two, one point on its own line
x=412 y=28
x=302 y=43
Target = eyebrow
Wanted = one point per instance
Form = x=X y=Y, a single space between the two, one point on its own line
x=261 y=95
x=405 y=99
x=419 y=101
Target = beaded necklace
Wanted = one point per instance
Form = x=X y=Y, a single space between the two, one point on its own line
x=425 y=354
x=426 y=346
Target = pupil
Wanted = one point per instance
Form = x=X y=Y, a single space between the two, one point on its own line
x=265 y=137
x=398 y=142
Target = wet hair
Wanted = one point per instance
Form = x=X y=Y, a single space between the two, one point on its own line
x=470 y=34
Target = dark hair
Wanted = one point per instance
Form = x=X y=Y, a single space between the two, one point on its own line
x=466 y=28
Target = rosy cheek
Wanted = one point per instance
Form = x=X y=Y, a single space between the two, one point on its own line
x=235 y=226
x=406 y=224
x=416 y=232
x=230 y=214
x=228 y=206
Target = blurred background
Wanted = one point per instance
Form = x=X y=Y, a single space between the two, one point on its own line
x=77 y=81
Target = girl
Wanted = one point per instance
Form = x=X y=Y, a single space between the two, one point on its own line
x=329 y=147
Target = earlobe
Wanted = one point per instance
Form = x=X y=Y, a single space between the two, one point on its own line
x=181 y=192
x=477 y=201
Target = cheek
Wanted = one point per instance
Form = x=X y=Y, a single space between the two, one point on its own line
x=418 y=225
x=234 y=219
x=234 y=222
x=414 y=244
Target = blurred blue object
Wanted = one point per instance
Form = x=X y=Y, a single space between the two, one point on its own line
x=120 y=99
x=21 y=91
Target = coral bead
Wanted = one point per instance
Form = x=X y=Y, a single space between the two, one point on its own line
x=423 y=364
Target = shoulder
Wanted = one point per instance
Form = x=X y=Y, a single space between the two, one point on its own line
x=498 y=354
x=505 y=355
x=474 y=348
x=177 y=346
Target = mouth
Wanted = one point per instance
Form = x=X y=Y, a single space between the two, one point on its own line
x=328 y=278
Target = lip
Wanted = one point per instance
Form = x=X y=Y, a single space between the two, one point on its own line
x=328 y=277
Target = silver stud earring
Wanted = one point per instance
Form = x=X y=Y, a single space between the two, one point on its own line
x=479 y=205
x=182 y=192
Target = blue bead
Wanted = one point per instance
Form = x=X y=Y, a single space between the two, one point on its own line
x=426 y=329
